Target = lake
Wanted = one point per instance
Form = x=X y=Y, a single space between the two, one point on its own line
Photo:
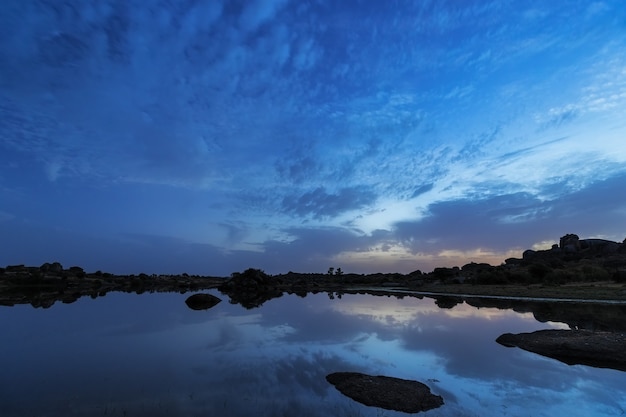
x=150 y=355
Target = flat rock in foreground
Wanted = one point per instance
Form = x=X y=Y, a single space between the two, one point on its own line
x=385 y=392
x=573 y=347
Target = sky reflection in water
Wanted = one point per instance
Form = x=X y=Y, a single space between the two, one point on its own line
x=150 y=355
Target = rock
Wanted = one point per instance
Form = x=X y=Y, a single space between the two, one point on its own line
x=513 y=261
x=202 y=301
x=56 y=268
x=599 y=246
x=77 y=271
x=570 y=243
x=573 y=347
x=16 y=268
x=385 y=392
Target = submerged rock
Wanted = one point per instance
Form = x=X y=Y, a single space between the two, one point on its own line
x=202 y=301
x=573 y=347
x=385 y=392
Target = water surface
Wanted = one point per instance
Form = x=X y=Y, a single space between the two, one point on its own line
x=150 y=355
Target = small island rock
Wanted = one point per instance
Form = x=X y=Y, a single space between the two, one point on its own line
x=385 y=392
x=202 y=301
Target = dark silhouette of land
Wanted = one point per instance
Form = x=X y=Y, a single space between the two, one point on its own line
x=49 y=283
x=573 y=269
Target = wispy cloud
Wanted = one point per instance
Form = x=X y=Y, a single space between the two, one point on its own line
x=320 y=204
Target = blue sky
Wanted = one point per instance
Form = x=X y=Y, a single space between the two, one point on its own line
x=208 y=137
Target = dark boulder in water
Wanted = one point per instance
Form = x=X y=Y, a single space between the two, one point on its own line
x=202 y=301
x=385 y=392
x=573 y=347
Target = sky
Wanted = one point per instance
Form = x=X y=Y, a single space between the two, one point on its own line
x=208 y=137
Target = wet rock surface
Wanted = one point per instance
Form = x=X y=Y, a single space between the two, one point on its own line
x=385 y=392
x=573 y=347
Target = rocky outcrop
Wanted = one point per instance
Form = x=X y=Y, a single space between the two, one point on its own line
x=569 y=243
x=386 y=392
x=599 y=246
x=53 y=268
x=573 y=347
x=202 y=301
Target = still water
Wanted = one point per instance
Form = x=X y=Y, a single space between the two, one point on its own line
x=150 y=355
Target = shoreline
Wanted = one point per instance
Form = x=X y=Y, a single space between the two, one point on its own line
x=592 y=311
x=43 y=286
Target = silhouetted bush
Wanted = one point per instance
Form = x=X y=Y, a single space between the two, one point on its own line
x=619 y=276
x=557 y=277
x=594 y=273
x=493 y=277
x=519 y=277
x=539 y=270
x=445 y=273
